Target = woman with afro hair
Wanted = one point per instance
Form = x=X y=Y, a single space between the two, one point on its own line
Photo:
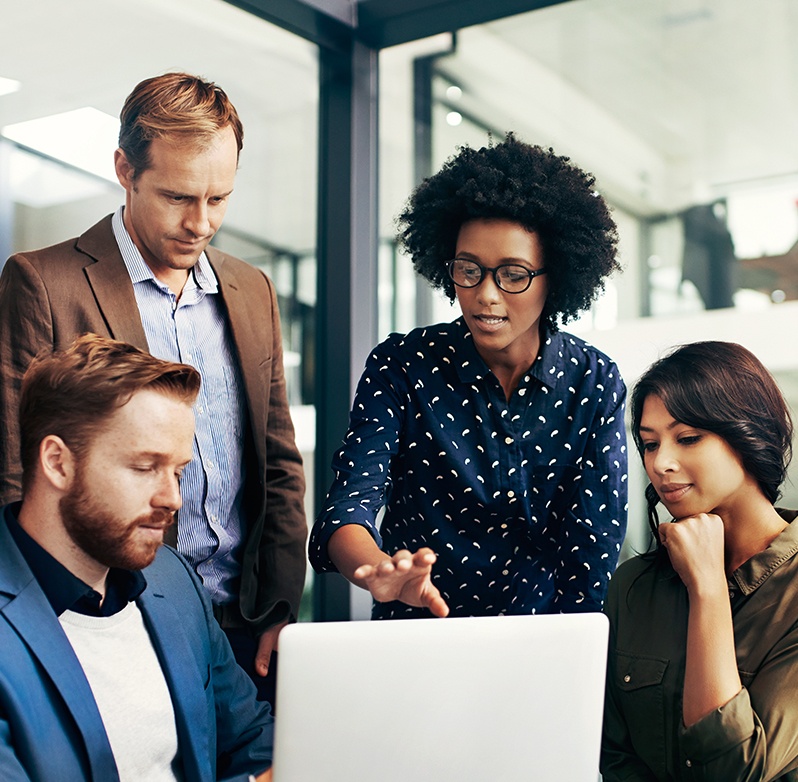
x=495 y=443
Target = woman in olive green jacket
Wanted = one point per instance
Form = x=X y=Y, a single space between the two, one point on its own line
x=702 y=679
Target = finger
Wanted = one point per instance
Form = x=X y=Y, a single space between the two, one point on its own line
x=438 y=606
x=424 y=557
x=264 y=654
x=404 y=564
x=364 y=572
x=402 y=559
x=385 y=567
x=262 y=665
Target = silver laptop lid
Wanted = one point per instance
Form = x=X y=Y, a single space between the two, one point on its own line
x=483 y=698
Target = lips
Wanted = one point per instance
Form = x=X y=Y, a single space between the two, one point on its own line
x=673 y=492
x=490 y=322
x=158 y=519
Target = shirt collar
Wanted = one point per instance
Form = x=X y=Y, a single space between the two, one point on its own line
x=472 y=367
x=64 y=590
x=753 y=573
x=137 y=267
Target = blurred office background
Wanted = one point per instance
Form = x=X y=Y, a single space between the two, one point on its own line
x=685 y=110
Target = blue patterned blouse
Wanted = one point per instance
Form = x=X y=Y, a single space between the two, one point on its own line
x=524 y=502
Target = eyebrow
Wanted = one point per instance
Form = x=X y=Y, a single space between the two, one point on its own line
x=158 y=457
x=502 y=262
x=167 y=191
x=149 y=455
x=670 y=426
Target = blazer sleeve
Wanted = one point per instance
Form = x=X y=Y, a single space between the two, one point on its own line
x=26 y=328
x=241 y=727
x=244 y=725
x=11 y=769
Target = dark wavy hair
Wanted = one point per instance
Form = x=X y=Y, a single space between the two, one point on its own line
x=723 y=388
x=528 y=185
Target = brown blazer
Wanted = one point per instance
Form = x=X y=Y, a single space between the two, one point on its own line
x=49 y=296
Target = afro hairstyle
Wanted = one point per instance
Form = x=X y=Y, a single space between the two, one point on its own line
x=525 y=184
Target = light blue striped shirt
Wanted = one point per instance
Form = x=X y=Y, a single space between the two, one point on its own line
x=194 y=329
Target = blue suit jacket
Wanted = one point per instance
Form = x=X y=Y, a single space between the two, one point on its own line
x=50 y=728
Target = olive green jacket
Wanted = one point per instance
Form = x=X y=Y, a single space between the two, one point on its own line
x=755 y=735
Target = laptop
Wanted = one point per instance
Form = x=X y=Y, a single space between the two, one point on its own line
x=472 y=700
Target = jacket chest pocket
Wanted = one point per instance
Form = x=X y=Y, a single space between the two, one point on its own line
x=639 y=684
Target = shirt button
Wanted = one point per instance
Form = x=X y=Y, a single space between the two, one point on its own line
x=731 y=594
x=511 y=493
x=688 y=763
x=627 y=678
x=505 y=572
x=508 y=440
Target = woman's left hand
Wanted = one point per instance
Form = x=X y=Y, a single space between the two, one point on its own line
x=696 y=549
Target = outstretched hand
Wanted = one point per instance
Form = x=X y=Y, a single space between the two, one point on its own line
x=406 y=577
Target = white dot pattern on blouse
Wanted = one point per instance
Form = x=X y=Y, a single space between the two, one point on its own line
x=523 y=501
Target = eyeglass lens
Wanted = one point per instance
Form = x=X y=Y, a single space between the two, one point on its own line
x=509 y=277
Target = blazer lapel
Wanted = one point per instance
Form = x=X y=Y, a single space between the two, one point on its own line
x=33 y=618
x=245 y=322
x=111 y=284
x=185 y=682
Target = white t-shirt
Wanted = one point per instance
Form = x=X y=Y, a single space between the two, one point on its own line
x=132 y=696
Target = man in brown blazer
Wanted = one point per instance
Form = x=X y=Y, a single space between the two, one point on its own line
x=146 y=276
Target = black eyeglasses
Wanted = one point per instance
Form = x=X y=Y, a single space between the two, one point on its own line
x=510 y=277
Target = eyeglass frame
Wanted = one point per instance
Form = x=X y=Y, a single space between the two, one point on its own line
x=531 y=274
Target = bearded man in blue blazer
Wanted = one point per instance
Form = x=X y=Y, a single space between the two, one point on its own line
x=112 y=666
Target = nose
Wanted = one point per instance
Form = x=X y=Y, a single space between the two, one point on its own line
x=487 y=290
x=196 y=219
x=664 y=460
x=168 y=494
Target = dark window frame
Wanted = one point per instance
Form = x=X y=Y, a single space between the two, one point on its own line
x=349 y=35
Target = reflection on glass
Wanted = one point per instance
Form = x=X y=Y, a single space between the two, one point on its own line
x=270 y=75
x=685 y=113
x=695 y=147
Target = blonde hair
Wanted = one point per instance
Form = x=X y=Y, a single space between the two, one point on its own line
x=175 y=104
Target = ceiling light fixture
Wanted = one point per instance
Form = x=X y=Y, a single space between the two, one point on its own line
x=7 y=86
x=84 y=138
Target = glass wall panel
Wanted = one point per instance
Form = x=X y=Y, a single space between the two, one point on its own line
x=685 y=112
x=58 y=58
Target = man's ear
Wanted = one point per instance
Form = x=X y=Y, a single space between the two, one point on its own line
x=124 y=170
x=57 y=462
